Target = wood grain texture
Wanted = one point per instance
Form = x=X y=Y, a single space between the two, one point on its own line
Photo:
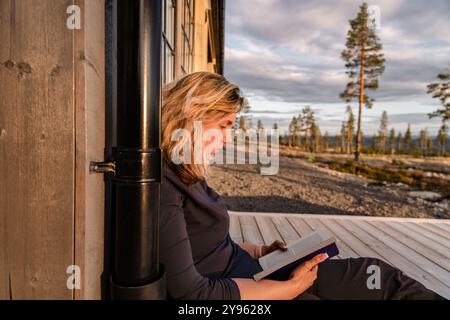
x=37 y=149
x=89 y=84
x=51 y=127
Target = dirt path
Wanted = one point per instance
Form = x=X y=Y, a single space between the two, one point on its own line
x=302 y=187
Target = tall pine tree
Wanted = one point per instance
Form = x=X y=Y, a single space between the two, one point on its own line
x=442 y=138
x=399 y=142
x=392 y=140
x=343 y=136
x=364 y=62
x=423 y=141
x=326 y=141
x=244 y=118
x=292 y=131
x=307 y=118
x=382 y=132
x=408 y=139
x=350 y=129
x=441 y=90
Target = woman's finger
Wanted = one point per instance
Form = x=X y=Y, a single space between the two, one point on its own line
x=280 y=244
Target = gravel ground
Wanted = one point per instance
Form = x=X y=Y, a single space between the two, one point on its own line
x=303 y=187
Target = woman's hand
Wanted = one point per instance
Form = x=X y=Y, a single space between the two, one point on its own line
x=300 y=279
x=305 y=274
x=265 y=249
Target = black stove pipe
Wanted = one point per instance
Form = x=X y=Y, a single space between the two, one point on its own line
x=136 y=66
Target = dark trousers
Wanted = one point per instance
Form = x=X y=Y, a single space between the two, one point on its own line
x=348 y=279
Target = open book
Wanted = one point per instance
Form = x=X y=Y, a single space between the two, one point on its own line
x=278 y=264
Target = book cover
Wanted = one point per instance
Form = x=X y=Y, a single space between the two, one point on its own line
x=279 y=264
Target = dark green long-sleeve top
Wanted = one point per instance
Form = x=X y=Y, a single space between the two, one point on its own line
x=195 y=245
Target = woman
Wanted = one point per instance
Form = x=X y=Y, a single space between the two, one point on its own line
x=201 y=260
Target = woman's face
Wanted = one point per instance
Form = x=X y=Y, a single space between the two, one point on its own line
x=223 y=125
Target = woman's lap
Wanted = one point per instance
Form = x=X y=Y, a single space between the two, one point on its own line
x=364 y=278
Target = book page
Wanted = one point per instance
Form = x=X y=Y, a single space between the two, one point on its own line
x=294 y=248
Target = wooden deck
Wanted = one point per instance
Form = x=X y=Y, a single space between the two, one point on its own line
x=418 y=247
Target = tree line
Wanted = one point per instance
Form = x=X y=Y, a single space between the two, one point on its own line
x=304 y=133
x=365 y=63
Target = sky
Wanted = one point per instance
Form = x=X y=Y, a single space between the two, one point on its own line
x=285 y=54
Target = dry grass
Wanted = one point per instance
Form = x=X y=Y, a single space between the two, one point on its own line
x=383 y=168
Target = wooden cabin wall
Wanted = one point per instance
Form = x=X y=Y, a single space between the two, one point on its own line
x=51 y=126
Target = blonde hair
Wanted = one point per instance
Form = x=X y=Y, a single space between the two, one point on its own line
x=200 y=96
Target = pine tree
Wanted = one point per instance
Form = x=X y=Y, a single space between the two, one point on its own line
x=442 y=139
x=259 y=125
x=374 y=143
x=298 y=130
x=399 y=142
x=350 y=129
x=292 y=128
x=307 y=120
x=365 y=63
x=441 y=90
x=244 y=118
x=408 y=139
x=382 y=133
x=326 y=140
x=423 y=141
x=337 y=138
x=315 y=137
x=392 y=140
x=429 y=146
x=343 y=136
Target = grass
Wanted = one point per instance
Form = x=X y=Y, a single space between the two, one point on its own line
x=394 y=174
x=395 y=171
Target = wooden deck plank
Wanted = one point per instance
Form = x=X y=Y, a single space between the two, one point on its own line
x=445 y=222
x=268 y=231
x=345 y=250
x=250 y=230
x=387 y=235
x=432 y=245
x=300 y=226
x=434 y=228
x=427 y=233
x=397 y=260
x=316 y=224
x=303 y=228
x=444 y=226
x=409 y=238
x=358 y=246
x=235 y=229
x=286 y=230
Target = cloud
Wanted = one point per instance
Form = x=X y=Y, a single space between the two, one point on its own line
x=290 y=50
x=270 y=112
x=413 y=118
